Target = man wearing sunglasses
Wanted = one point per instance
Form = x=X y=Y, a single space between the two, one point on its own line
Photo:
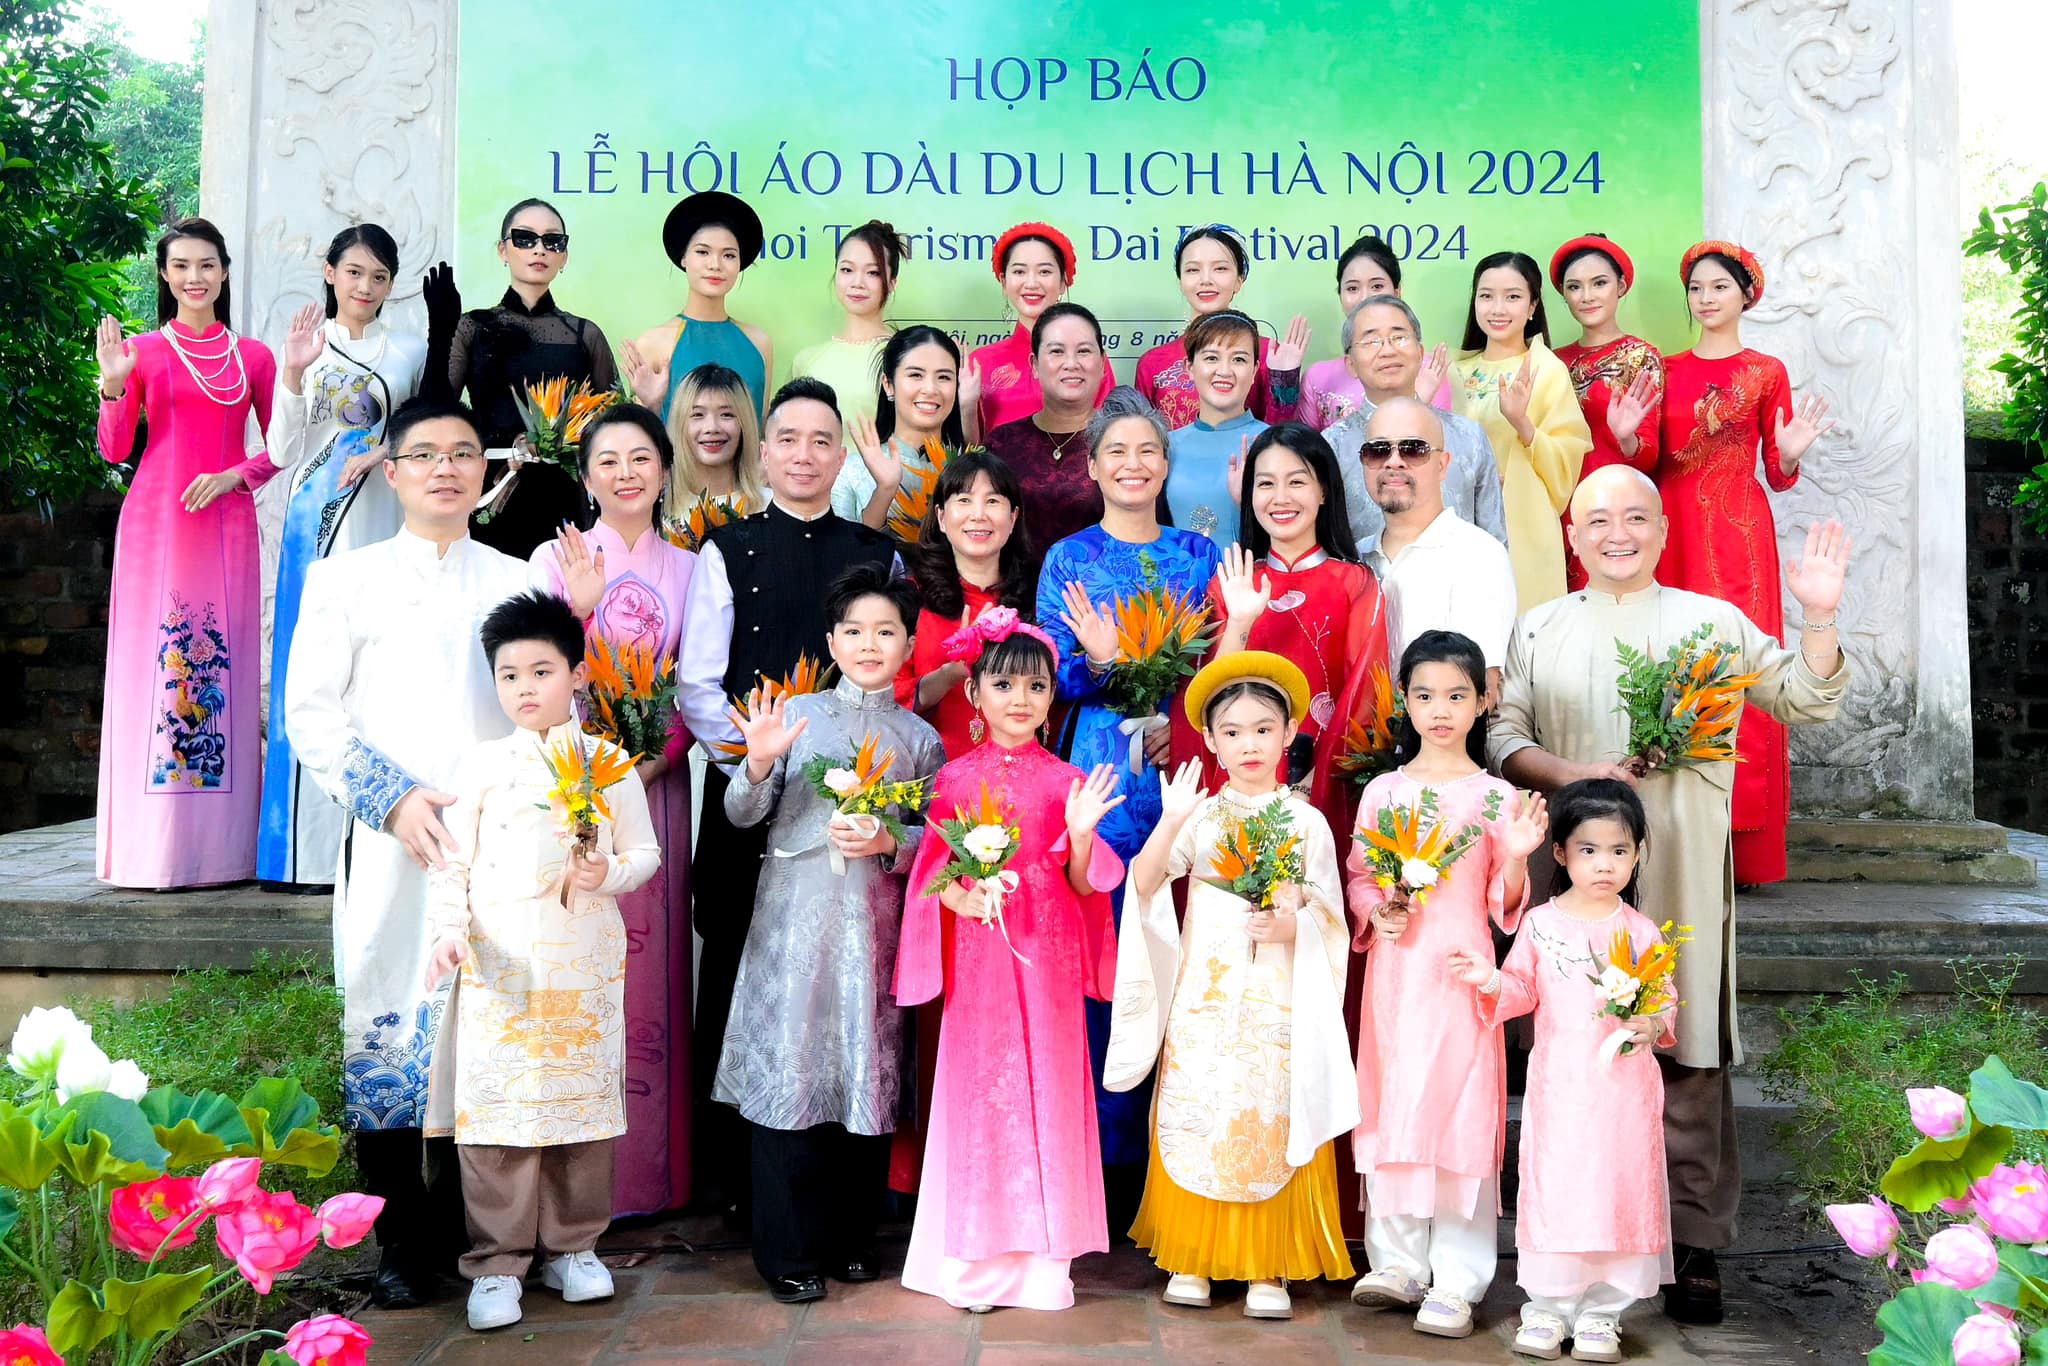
x=1383 y=346
x=386 y=690
x=1438 y=571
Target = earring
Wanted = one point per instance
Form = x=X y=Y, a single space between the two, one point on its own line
x=976 y=729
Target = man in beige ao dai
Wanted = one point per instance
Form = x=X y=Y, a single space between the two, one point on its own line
x=1559 y=722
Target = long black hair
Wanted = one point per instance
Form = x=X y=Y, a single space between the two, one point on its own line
x=370 y=238
x=1018 y=654
x=201 y=230
x=1523 y=264
x=1459 y=651
x=938 y=580
x=951 y=434
x=1598 y=799
x=1333 y=527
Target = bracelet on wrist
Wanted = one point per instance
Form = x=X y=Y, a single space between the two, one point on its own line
x=1491 y=986
x=1827 y=625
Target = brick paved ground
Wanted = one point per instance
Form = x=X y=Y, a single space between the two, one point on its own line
x=699 y=1307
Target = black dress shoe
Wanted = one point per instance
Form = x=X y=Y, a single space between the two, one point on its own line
x=1694 y=1296
x=797 y=1289
x=400 y=1285
x=857 y=1269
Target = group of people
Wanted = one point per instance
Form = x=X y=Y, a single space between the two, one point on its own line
x=1021 y=982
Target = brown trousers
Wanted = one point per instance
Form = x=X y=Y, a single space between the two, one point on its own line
x=1702 y=1156
x=520 y=1201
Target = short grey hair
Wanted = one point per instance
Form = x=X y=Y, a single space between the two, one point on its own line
x=1350 y=334
x=1122 y=402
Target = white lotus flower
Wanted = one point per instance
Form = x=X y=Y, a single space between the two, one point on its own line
x=127 y=1081
x=1418 y=874
x=40 y=1040
x=843 y=782
x=1615 y=985
x=84 y=1068
x=986 y=843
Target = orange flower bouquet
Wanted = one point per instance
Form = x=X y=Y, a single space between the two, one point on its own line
x=1410 y=849
x=582 y=773
x=1682 y=709
x=914 y=497
x=1256 y=854
x=858 y=787
x=1631 y=984
x=631 y=697
x=983 y=842
x=807 y=677
x=555 y=417
x=1369 y=742
x=704 y=515
x=1161 y=639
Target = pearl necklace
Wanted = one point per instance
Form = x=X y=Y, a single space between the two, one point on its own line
x=229 y=356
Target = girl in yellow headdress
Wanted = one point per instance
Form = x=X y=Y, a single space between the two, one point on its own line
x=1241 y=1009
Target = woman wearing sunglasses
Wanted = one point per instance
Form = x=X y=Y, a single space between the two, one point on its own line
x=493 y=354
x=712 y=237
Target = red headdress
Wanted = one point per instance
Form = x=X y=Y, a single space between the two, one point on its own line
x=1734 y=251
x=1592 y=241
x=1060 y=245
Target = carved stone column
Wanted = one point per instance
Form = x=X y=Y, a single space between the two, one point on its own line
x=322 y=113
x=1831 y=151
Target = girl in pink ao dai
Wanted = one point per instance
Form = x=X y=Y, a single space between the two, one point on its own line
x=1432 y=1082
x=1592 y=1225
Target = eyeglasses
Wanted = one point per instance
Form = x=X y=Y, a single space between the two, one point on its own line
x=1413 y=450
x=1373 y=341
x=526 y=239
x=426 y=457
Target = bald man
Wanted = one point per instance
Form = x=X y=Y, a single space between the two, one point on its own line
x=1558 y=722
x=1437 y=570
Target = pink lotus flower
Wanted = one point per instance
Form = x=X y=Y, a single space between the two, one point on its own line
x=143 y=1217
x=271 y=1233
x=1938 y=1112
x=1962 y=1255
x=329 y=1340
x=1870 y=1229
x=1985 y=1340
x=229 y=1183
x=345 y=1220
x=22 y=1345
x=2013 y=1202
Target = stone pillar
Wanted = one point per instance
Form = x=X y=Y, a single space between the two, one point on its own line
x=319 y=114
x=1831 y=150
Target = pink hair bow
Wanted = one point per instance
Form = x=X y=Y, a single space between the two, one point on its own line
x=965 y=645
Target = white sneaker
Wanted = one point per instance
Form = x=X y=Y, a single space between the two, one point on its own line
x=1192 y=1291
x=1444 y=1315
x=493 y=1302
x=1387 y=1290
x=1596 y=1337
x=1267 y=1300
x=579 y=1276
x=1542 y=1334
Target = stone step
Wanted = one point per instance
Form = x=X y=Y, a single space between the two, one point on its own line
x=1925 y=853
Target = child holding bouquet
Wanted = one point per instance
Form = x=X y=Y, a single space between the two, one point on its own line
x=1591 y=1226
x=1009 y=919
x=1242 y=1009
x=1438 y=851
x=813 y=1045
x=550 y=827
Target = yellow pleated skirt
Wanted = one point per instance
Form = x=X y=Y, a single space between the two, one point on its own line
x=1297 y=1233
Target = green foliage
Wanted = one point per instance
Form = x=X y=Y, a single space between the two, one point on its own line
x=1918 y=1323
x=215 y=1029
x=2018 y=236
x=1942 y=1168
x=68 y=219
x=1846 y=1062
x=152 y=122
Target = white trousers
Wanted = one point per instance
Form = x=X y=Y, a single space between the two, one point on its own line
x=1451 y=1253
x=1597 y=1299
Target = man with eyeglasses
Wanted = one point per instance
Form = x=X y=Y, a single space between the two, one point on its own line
x=1437 y=570
x=386 y=690
x=1383 y=346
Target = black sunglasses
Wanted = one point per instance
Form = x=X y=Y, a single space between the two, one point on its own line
x=1413 y=449
x=526 y=239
